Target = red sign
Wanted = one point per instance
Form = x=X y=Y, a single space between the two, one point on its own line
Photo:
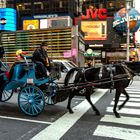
x=100 y=13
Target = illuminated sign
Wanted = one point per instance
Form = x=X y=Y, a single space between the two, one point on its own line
x=94 y=30
x=43 y=23
x=100 y=13
x=124 y=20
x=8 y=19
x=45 y=16
x=30 y=24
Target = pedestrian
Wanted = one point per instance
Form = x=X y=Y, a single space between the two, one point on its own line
x=89 y=64
x=40 y=57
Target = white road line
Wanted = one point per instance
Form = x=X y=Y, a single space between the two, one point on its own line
x=134 y=104
x=133 y=89
x=132 y=95
x=118 y=133
x=131 y=99
x=25 y=120
x=63 y=124
x=130 y=111
x=80 y=99
x=123 y=120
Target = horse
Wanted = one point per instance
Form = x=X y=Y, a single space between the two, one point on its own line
x=111 y=76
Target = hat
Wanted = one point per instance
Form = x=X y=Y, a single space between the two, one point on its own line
x=44 y=44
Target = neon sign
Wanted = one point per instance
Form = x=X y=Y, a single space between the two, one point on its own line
x=100 y=13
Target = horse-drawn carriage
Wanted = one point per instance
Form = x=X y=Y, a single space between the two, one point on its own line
x=34 y=92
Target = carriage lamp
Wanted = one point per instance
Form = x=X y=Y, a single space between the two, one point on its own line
x=128 y=7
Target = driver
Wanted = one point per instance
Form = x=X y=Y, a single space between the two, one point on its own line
x=40 y=57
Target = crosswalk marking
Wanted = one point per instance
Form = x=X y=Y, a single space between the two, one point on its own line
x=122 y=120
x=131 y=95
x=124 y=110
x=132 y=89
x=134 y=104
x=117 y=132
x=131 y=99
x=122 y=132
x=64 y=123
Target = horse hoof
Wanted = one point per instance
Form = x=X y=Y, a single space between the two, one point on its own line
x=98 y=113
x=117 y=115
x=71 y=112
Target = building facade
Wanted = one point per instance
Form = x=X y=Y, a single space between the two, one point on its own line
x=112 y=6
x=109 y=43
x=29 y=8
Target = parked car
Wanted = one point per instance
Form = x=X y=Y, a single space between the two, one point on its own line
x=65 y=66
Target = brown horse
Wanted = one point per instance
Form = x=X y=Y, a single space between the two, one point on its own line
x=112 y=76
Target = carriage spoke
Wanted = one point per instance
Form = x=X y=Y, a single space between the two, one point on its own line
x=32 y=110
x=25 y=97
x=25 y=93
x=40 y=108
x=4 y=95
x=26 y=106
x=37 y=96
x=35 y=108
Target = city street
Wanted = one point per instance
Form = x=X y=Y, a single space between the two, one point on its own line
x=45 y=44
x=56 y=123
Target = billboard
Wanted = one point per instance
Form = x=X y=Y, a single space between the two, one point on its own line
x=8 y=19
x=30 y=24
x=94 y=30
x=42 y=23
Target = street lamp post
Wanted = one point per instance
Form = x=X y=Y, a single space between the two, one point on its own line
x=128 y=6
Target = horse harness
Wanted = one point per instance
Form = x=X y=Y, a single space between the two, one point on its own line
x=112 y=78
x=111 y=70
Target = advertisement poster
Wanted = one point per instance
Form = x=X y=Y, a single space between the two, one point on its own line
x=8 y=19
x=94 y=30
x=30 y=24
x=43 y=23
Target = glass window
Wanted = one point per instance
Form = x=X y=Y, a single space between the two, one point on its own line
x=110 y=4
x=120 y=4
x=27 y=6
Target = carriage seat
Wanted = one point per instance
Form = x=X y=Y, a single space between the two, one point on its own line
x=19 y=69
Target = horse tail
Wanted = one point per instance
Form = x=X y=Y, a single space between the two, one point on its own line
x=69 y=75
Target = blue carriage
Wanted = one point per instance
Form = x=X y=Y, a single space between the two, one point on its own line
x=34 y=92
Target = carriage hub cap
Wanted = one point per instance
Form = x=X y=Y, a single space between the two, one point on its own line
x=31 y=100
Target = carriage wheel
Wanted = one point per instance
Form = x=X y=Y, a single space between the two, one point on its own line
x=6 y=94
x=31 y=100
x=50 y=92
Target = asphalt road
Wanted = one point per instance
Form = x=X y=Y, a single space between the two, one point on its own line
x=56 y=123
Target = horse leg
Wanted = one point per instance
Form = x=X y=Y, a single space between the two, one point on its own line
x=127 y=98
x=87 y=94
x=69 y=102
x=117 y=95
